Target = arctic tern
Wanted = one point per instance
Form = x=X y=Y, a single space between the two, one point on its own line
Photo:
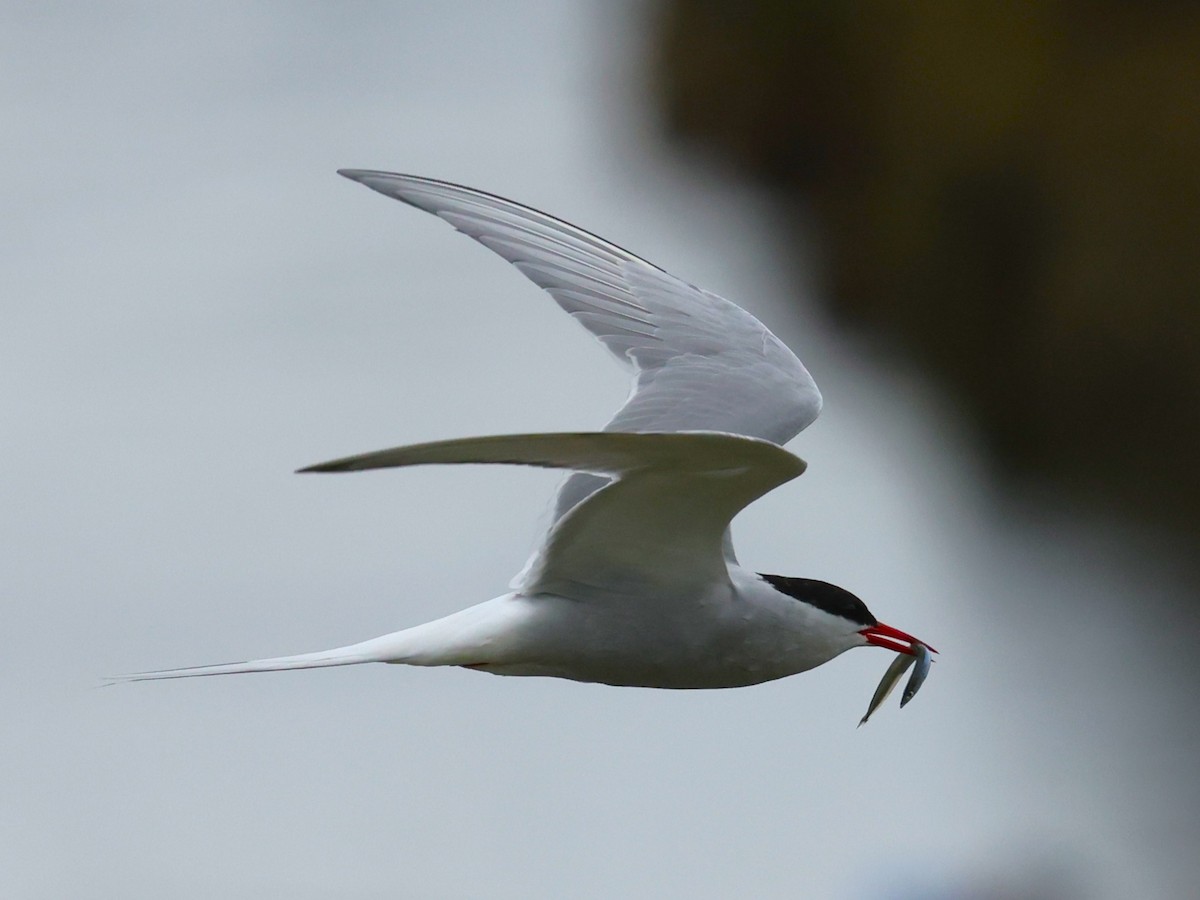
x=635 y=582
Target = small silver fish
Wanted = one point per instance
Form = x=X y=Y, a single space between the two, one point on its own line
x=898 y=667
x=920 y=673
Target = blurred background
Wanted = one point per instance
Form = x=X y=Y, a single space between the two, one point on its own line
x=973 y=222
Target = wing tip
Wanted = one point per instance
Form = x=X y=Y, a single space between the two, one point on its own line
x=335 y=465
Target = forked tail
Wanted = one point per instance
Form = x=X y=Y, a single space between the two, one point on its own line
x=342 y=656
x=468 y=637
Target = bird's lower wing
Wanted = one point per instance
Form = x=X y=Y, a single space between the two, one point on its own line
x=661 y=519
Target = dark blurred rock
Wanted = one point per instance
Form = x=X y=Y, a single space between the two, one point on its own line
x=1013 y=190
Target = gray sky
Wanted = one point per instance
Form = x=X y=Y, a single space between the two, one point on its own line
x=194 y=305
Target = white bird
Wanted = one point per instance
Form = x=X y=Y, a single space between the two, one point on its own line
x=635 y=582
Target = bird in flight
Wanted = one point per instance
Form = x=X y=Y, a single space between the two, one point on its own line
x=635 y=582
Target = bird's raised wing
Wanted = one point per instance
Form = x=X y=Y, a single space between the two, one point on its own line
x=699 y=362
x=659 y=522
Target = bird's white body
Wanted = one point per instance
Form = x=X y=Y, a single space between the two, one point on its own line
x=636 y=582
x=740 y=634
x=736 y=635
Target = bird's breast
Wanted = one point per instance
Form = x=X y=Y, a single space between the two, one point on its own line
x=715 y=641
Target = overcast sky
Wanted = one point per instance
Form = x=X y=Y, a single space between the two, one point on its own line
x=194 y=305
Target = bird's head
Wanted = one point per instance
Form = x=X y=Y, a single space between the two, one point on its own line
x=854 y=623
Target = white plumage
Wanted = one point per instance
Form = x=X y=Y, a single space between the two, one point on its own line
x=636 y=582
